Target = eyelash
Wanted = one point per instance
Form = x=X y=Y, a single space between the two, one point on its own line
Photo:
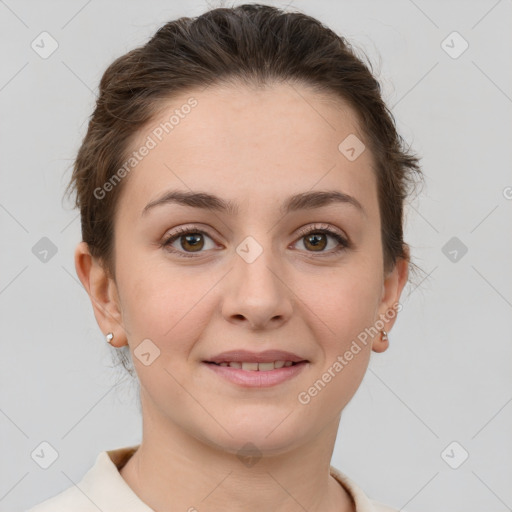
x=344 y=243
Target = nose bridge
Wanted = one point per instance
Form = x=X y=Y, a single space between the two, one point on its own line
x=256 y=291
x=255 y=264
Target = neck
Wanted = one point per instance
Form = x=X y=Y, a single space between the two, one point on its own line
x=172 y=467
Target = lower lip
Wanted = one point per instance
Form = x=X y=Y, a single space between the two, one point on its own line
x=257 y=379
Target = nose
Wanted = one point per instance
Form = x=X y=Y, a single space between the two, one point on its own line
x=256 y=293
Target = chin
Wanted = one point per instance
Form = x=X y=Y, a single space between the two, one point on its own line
x=272 y=433
x=244 y=445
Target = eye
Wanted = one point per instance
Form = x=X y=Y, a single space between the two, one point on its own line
x=191 y=240
x=315 y=239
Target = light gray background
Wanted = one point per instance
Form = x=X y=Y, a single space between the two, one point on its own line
x=446 y=376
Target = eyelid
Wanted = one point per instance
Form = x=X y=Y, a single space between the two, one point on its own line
x=319 y=226
x=184 y=230
x=343 y=240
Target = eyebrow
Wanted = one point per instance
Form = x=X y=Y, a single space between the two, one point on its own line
x=207 y=201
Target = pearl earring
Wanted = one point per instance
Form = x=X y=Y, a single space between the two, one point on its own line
x=109 y=337
x=384 y=336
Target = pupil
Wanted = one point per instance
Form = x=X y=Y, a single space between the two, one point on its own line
x=193 y=240
x=316 y=241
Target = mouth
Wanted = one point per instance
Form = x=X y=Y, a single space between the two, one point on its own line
x=257 y=366
x=256 y=375
x=253 y=361
x=256 y=369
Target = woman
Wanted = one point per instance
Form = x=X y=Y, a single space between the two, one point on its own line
x=241 y=189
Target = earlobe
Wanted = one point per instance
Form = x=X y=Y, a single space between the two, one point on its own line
x=102 y=292
x=381 y=342
x=393 y=285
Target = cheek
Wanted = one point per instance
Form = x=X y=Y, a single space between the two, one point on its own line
x=344 y=302
x=163 y=306
x=340 y=310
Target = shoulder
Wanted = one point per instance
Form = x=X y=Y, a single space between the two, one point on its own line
x=362 y=502
x=101 y=488
x=70 y=499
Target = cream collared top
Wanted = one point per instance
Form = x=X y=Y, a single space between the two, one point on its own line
x=103 y=488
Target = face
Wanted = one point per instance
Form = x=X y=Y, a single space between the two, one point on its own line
x=270 y=273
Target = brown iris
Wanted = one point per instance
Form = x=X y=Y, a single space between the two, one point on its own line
x=192 y=242
x=316 y=242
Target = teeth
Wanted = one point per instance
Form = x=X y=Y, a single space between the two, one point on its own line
x=249 y=366
x=262 y=367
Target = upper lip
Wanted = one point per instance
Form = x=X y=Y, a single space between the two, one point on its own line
x=244 y=356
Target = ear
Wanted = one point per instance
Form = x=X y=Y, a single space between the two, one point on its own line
x=102 y=291
x=392 y=287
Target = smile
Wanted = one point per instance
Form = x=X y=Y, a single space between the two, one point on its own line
x=256 y=375
x=253 y=366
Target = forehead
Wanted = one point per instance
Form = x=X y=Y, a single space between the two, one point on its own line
x=252 y=142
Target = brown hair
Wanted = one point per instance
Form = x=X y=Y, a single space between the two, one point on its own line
x=253 y=44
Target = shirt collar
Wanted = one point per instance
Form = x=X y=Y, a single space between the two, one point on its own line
x=107 y=489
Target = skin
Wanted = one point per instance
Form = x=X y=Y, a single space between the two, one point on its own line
x=255 y=147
